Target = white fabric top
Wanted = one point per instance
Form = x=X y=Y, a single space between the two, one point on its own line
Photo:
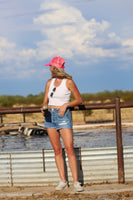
x=61 y=94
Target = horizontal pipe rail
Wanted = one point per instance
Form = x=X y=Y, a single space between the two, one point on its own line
x=36 y=109
x=20 y=110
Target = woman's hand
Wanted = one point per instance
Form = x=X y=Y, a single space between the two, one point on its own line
x=62 y=109
x=42 y=111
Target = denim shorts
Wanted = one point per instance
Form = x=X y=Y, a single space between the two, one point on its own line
x=54 y=120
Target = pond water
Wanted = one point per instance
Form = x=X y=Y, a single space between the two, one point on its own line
x=83 y=139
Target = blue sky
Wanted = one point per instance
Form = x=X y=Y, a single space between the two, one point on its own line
x=95 y=37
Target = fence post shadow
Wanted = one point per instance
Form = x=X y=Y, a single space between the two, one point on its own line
x=65 y=165
x=79 y=164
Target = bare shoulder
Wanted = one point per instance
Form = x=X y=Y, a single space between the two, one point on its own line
x=48 y=85
x=70 y=84
x=48 y=82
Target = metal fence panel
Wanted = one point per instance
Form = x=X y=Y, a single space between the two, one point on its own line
x=128 y=163
x=5 y=170
x=38 y=167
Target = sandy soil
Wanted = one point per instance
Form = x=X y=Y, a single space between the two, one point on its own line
x=91 y=192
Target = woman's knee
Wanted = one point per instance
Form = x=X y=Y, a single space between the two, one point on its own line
x=57 y=151
x=70 y=151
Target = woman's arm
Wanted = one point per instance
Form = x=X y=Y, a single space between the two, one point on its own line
x=45 y=99
x=77 y=98
x=73 y=88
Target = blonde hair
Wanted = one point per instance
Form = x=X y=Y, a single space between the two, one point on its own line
x=59 y=72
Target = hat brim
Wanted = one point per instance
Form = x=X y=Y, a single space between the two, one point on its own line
x=55 y=66
x=47 y=64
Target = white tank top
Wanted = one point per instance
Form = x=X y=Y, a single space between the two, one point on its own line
x=61 y=94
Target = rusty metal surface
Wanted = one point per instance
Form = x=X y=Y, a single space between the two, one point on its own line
x=80 y=107
x=119 y=143
x=20 y=110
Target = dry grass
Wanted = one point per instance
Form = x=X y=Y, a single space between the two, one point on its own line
x=127 y=113
x=101 y=115
x=18 y=118
x=78 y=117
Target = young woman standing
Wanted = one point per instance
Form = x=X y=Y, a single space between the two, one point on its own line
x=58 y=119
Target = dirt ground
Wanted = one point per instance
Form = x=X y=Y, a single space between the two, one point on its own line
x=112 y=191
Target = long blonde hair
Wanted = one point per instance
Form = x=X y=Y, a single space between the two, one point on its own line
x=59 y=72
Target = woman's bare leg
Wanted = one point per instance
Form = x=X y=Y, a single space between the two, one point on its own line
x=67 y=136
x=55 y=141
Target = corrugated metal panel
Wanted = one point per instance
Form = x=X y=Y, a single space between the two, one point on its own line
x=39 y=168
x=5 y=171
x=128 y=163
x=99 y=165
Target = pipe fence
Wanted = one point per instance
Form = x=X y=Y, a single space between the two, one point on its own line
x=116 y=105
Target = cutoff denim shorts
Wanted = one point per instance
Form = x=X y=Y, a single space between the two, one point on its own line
x=54 y=120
